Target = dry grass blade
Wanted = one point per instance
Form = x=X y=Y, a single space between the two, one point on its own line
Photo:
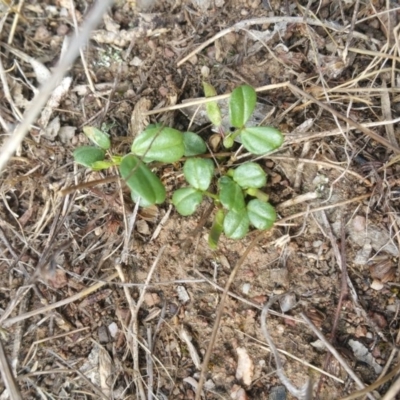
x=374 y=386
x=8 y=322
x=363 y=129
x=286 y=353
x=261 y=21
x=12 y=143
x=336 y=354
x=8 y=377
x=210 y=99
x=340 y=204
x=220 y=311
x=305 y=392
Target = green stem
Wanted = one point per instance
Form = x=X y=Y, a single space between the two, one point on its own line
x=216 y=229
x=212 y=195
x=260 y=195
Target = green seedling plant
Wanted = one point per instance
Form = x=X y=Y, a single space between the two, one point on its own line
x=236 y=192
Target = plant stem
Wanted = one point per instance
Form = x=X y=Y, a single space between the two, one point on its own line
x=212 y=195
x=259 y=194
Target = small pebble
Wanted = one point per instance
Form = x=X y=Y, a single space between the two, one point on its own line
x=246 y=288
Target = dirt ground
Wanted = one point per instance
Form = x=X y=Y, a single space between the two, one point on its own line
x=99 y=302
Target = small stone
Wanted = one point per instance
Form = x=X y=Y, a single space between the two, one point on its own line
x=205 y=71
x=151 y=299
x=113 y=329
x=377 y=285
x=359 y=223
x=246 y=288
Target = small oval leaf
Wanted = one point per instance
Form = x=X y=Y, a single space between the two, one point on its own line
x=87 y=155
x=250 y=175
x=228 y=142
x=261 y=139
x=241 y=105
x=158 y=143
x=209 y=90
x=141 y=180
x=216 y=229
x=230 y=194
x=97 y=136
x=193 y=144
x=186 y=200
x=212 y=108
x=199 y=172
x=261 y=215
x=236 y=224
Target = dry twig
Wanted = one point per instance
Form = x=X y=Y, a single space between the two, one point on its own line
x=13 y=142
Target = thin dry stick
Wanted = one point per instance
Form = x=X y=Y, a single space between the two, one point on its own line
x=243 y=300
x=210 y=99
x=220 y=312
x=341 y=262
x=304 y=392
x=8 y=377
x=134 y=320
x=68 y=300
x=39 y=101
x=391 y=357
x=83 y=59
x=351 y=31
x=374 y=386
x=363 y=129
x=15 y=21
x=6 y=88
x=61 y=335
x=323 y=164
x=294 y=138
x=134 y=343
x=387 y=114
x=98 y=392
x=336 y=354
x=341 y=203
x=263 y=346
x=267 y=20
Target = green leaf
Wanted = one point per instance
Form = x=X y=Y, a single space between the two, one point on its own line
x=216 y=229
x=158 y=143
x=261 y=215
x=199 y=172
x=212 y=108
x=87 y=155
x=116 y=159
x=193 y=144
x=261 y=139
x=141 y=180
x=142 y=202
x=241 y=105
x=236 y=224
x=230 y=194
x=97 y=136
x=228 y=141
x=209 y=90
x=99 y=165
x=186 y=200
x=250 y=175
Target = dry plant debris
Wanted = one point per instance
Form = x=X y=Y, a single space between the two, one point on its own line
x=102 y=299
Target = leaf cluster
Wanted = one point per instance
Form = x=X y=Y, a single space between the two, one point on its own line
x=236 y=192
